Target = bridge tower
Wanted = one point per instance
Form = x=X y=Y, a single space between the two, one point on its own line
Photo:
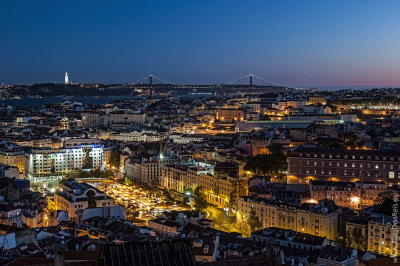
x=251 y=81
x=151 y=85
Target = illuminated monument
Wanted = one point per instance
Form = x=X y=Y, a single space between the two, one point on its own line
x=66 y=78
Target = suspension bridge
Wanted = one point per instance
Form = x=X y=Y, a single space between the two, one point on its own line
x=249 y=81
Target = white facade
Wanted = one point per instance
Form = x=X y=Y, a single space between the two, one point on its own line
x=66 y=78
x=80 y=196
x=143 y=136
x=58 y=162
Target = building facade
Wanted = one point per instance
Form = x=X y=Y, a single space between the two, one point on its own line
x=77 y=196
x=353 y=195
x=315 y=219
x=309 y=163
x=47 y=163
x=13 y=156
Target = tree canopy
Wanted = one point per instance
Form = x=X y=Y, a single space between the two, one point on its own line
x=253 y=221
x=96 y=173
x=115 y=158
x=355 y=239
x=200 y=202
x=384 y=202
x=267 y=164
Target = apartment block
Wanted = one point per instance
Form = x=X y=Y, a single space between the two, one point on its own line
x=316 y=219
x=309 y=163
x=77 y=196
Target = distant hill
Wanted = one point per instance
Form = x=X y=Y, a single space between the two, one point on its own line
x=51 y=89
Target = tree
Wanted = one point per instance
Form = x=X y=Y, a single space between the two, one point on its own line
x=186 y=201
x=34 y=187
x=355 y=239
x=115 y=158
x=233 y=194
x=267 y=164
x=384 y=202
x=200 y=202
x=253 y=221
x=341 y=238
x=168 y=196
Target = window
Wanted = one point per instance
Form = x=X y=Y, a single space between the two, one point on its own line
x=391 y=175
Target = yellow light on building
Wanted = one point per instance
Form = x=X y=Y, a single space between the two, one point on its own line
x=355 y=200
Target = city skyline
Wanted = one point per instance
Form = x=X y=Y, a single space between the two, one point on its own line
x=199 y=133
x=308 y=44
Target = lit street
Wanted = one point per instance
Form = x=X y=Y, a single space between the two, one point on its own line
x=148 y=204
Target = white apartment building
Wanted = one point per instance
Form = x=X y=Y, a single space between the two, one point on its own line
x=77 y=196
x=142 y=136
x=44 y=164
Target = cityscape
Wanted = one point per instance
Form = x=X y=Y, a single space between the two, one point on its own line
x=111 y=158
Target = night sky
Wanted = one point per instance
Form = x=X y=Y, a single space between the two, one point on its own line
x=297 y=43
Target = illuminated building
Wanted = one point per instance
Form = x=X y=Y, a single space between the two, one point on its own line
x=380 y=236
x=347 y=194
x=143 y=171
x=13 y=156
x=316 y=219
x=180 y=177
x=230 y=114
x=53 y=164
x=217 y=189
x=79 y=196
x=345 y=165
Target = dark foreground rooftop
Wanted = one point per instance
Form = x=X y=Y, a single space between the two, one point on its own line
x=150 y=253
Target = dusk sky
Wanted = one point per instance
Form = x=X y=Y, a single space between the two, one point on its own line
x=296 y=43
